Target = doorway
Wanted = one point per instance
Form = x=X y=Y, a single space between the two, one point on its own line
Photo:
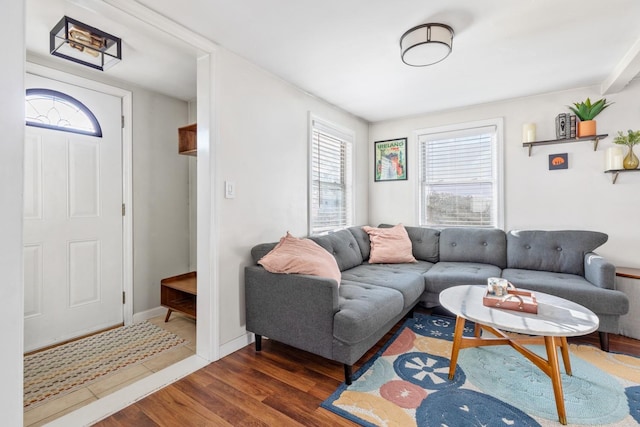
x=207 y=327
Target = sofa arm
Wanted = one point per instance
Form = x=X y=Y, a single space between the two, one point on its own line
x=599 y=271
x=294 y=309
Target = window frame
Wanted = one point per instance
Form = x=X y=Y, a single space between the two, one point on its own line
x=97 y=132
x=347 y=136
x=497 y=165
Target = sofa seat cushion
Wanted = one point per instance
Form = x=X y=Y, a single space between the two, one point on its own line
x=404 y=278
x=571 y=287
x=363 y=310
x=444 y=275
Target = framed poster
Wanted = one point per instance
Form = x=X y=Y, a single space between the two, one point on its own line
x=390 y=160
x=558 y=161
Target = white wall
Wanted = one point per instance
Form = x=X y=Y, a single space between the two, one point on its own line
x=160 y=195
x=263 y=147
x=11 y=173
x=581 y=197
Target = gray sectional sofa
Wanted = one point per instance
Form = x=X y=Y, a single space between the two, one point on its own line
x=342 y=321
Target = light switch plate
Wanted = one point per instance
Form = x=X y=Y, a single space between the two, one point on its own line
x=229 y=190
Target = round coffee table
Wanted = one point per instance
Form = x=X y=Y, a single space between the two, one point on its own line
x=557 y=319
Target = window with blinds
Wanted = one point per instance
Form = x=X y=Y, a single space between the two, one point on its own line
x=459 y=177
x=331 y=181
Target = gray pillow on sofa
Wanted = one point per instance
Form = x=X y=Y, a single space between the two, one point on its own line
x=558 y=251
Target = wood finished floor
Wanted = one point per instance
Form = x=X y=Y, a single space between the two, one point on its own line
x=279 y=386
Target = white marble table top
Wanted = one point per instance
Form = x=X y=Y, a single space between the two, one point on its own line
x=556 y=316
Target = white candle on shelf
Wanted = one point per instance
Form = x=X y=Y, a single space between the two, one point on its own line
x=608 y=159
x=528 y=132
x=618 y=158
x=613 y=158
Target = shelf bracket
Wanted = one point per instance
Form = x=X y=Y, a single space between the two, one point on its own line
x=530 y=147
x=614 y=177
x=595 y=143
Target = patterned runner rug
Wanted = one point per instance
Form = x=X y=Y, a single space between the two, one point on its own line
x=406 y=384
x=60 y=370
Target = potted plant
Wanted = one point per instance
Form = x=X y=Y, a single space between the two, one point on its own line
x=630 y=139
x=586 y=112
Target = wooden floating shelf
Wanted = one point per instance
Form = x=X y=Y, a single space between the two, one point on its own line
x=615 y=172
x=594 y=138
x=188 y=140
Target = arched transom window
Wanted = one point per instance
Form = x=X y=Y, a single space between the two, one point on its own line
x=55 y=110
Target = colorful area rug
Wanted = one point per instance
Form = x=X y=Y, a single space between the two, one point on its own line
x=406 y=384
x=60 y=370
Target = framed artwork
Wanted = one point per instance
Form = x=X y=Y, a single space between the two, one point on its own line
x=390 y=160
x=558 y=161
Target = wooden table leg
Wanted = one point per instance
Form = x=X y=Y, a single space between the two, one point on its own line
x=457 y=341
x=556 y=380
x=564 y=346
x=166 y=319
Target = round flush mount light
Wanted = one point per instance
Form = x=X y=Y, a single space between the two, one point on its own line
x=426 y=44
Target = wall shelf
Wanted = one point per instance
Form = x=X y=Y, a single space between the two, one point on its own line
x=594 y=138
x=188 y=140
x=615 y=172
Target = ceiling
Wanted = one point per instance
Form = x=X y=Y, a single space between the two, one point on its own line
x=150 y=58
x=347 y=51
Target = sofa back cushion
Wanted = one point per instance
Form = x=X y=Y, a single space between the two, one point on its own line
x=480 y=245
x=362 y=237
x=425 y=242
x=558 y=251
x=343 y=246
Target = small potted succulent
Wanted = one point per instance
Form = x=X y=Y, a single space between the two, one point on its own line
x=586 y=112
x=630 y=139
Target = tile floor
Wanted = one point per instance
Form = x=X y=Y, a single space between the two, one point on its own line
x=178 y=324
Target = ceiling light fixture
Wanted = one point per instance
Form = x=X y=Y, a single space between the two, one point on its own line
x=83 y=44
x=426 y=44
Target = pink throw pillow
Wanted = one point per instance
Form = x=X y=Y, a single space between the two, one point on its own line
x=389 y=245
x=301 y=256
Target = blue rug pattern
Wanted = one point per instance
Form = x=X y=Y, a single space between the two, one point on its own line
x=406 y=384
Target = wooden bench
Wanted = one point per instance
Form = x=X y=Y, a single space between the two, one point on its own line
x=179 y=293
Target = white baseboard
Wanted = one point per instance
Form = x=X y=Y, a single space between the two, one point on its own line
x=148 y=314
x=236 y=344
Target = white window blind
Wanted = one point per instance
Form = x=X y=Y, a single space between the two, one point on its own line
x=330 y=201
x=459 y=178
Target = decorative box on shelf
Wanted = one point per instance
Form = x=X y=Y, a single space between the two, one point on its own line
x=514 y=300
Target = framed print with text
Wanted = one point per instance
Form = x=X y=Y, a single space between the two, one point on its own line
x=390 y=160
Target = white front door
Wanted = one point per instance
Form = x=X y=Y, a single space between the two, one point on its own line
x=73 y=242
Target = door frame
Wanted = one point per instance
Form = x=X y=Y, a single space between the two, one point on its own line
x=208 y=193
x=127 y=163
